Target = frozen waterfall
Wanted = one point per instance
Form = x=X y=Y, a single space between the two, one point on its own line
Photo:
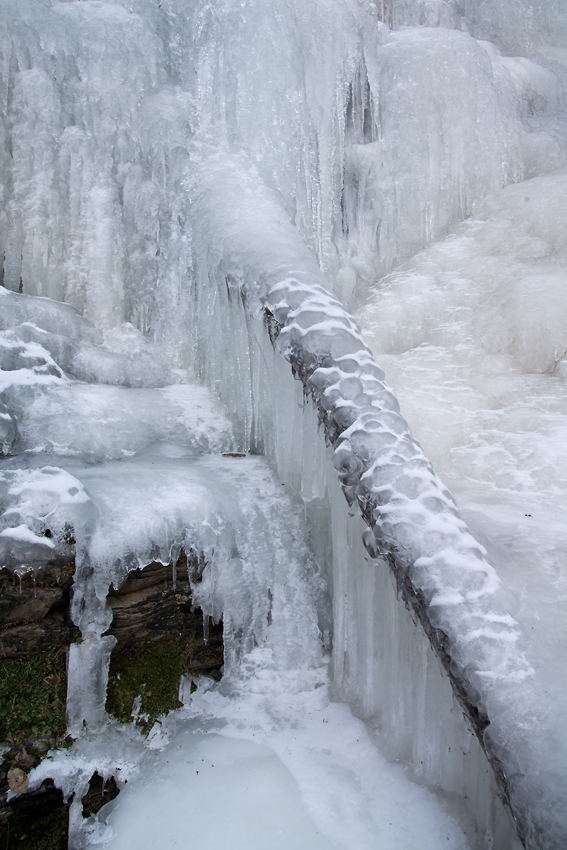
x=193 y=195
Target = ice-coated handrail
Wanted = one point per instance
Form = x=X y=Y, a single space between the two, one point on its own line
x=440 y=570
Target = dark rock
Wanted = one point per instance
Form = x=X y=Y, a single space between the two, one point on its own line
x=151 y=605
x=29 y=638
x=34 y=609
x=35 y=804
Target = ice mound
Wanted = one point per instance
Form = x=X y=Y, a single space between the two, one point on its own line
x=262 y=756
x=66 y=395
x=41 y=505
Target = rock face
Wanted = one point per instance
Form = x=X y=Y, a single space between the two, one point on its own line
x=150 y=606
x=34 y=609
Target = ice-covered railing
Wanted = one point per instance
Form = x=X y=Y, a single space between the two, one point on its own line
x=440 y=570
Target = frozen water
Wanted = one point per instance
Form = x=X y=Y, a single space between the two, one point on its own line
x=265 y=758
x=375 y=124
x=472 y=334
x=181 y=174
x=319 y=784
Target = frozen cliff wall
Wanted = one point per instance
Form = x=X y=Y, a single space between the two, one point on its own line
x=521 y=28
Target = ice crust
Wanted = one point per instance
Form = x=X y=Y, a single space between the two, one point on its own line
x=491 y=411
x=190 y=179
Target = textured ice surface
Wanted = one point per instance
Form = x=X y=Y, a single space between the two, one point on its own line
x=472 y=335
x=380 y=465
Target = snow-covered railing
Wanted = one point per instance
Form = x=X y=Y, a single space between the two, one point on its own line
x=441 y=572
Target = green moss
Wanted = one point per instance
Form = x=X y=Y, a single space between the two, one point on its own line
x=32 y=706
x=153 y=672
x=33 y=691
x=47 y=833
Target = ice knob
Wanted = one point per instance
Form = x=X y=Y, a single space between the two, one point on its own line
x=8 y=429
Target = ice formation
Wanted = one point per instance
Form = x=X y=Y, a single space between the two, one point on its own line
x=479 y=369
x=189 y=194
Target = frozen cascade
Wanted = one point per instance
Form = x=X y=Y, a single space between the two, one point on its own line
x=180 y=184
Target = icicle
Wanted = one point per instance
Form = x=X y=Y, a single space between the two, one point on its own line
x=205 y=628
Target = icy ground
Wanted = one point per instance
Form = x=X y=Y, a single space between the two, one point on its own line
x=287 y=770
x=263 y=759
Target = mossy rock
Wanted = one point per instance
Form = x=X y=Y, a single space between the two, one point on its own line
x=33 y=691
x=32 y=719
x=152 y=673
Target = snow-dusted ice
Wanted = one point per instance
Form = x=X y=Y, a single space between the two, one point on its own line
x=317 y=783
